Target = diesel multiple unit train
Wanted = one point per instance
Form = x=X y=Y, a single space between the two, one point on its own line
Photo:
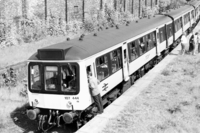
x=58 y=89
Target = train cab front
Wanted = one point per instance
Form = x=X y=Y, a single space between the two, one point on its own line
x=54 y=91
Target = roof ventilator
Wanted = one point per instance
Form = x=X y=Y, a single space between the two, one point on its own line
x=117 y=27
x=81 y=37
x=68 y=38
x=127 y=23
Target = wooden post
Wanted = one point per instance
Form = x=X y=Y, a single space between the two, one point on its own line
x=101 y=4
x=24 y=10
x=83 y=10
x=66 y=11
x=124 y=5
x=139 y=13
x=45 y=9
x=115 y=4
x=132 y=9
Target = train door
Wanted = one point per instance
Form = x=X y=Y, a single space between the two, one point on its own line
x=125 y=62
x=166 y=32
x=181 y=23
x=157 y=42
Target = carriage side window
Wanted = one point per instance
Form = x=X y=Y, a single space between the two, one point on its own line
x=115 y=61
x=181 y=22
x=158 y=37
x=193 y=14
x=35 y=77
x=186 y=18
x=154 y=39
x=69 y=78
x=102 y=67
x=119 y=56
x=175 y=25
x=51 y=78
x=133 y=51
x=162 y=34
x=149 y=42
x=141 y=45
x=169 y=30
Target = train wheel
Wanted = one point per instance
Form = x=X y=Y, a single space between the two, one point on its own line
x=138 y=74
x=142 y=72
x=75 y=125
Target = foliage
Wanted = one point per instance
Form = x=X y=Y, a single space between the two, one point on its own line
x=16 y=29
x=163 y=4
x=10 y=78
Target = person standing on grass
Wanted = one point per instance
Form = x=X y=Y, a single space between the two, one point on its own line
x=184 y=42
x=93 y=85
x=198 y=42
x=195 y=44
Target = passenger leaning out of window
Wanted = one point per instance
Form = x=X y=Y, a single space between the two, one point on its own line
x=95 y=92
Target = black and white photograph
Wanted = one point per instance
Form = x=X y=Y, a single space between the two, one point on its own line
x=99 y=66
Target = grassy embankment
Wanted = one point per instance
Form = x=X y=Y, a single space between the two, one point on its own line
x=10 y=100
x=171 y=104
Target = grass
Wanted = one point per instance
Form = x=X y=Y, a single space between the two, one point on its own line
x=10 y=100
x=171 y=104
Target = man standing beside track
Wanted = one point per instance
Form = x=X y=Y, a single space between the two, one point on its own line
x=93 y=85
x=184 y=42
x=198 y=42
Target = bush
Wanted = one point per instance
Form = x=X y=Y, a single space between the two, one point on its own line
x=74 y=27
x=166 y=73
x=9 y=78
x=88 y=26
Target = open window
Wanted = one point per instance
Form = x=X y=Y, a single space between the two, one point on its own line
x=69 y=78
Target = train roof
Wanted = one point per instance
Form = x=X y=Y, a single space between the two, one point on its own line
x=90 y=45
x=195 y=3
x=180 y=11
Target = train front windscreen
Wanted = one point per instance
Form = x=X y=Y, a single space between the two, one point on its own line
x=54 y=78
